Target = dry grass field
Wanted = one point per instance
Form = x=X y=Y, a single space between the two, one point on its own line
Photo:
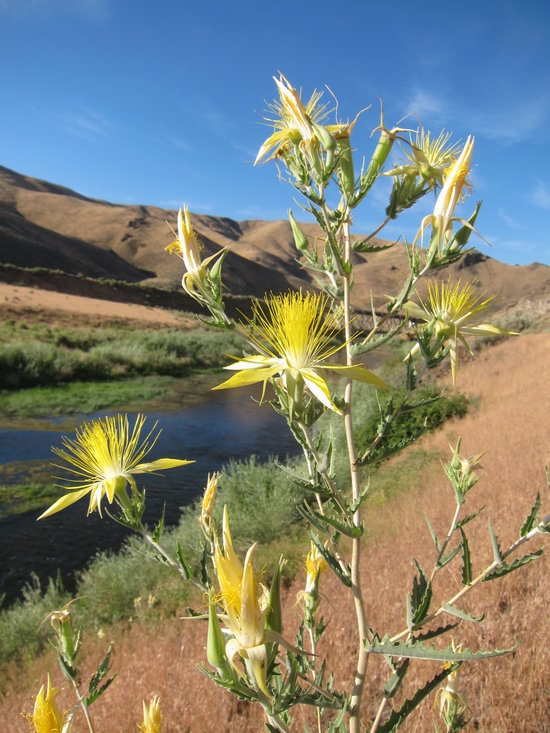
x=511 y=422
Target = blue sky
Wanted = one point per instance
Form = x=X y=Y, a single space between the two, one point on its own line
x=143 y=102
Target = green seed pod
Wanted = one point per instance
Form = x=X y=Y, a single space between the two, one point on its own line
x=274 y=616
x=215 y=644
x=67 y=640
x=300 y=238
x=324 y=137
x=346 y=172
x=379 y=157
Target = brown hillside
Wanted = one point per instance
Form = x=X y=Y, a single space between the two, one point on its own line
x=46 y=225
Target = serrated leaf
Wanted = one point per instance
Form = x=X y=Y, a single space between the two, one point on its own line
x=415 y=649
x=95 y=688
x=466 y=560
x=160 y=525
x=531 y=519
x=453 y=611
x=446 y=559
x=469 y=518
x=398 y=716
x=421 y=596
x=504 y=569
x=394 y=682
x=345 y=576
x=494 y=542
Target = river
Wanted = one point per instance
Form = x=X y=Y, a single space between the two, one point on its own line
x=205 y=426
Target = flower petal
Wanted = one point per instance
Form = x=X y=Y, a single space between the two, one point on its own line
x=318 y=388
x=160 y=465
x=359 y=373
x=65 y=501
x=249 y=376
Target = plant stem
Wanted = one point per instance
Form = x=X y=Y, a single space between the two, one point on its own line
x=362 y=655
x=83 y=706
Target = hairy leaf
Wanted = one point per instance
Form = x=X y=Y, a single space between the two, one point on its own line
x=415 y=649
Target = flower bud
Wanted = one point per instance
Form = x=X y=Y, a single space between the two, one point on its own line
x=300 y=239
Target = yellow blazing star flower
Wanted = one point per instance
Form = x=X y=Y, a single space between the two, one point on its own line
x=152 y=718
x=46 y=717
x=294 y=123
x=449 y=311
x=245 y=602
x=429 y=157
x=294 y=338
x=453 y=184
x=186 y=246
x=315 y=564
x=105 y=455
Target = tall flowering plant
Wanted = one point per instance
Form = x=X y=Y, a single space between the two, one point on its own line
x=292 y=342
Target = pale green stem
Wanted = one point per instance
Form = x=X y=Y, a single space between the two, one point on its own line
x=362 y=628
x=312 y=643
x=83 y=706
x=161 y=551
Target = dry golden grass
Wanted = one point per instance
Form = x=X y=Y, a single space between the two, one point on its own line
x=509 y=695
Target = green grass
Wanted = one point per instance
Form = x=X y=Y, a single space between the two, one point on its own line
x=24 y=498
x=83 y=397
x=43 y=356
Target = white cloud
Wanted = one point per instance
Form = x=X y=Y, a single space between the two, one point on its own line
x=426 y=105
x=541 y=195
x=84 y=123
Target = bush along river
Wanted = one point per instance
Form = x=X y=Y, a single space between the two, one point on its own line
x=210 y=428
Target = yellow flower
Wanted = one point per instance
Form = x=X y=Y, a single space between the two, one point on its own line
x=46 y=717
x=208 y=500
x=152 y=718
x=449 y=311
x=245 y=602
x=453 y=184
x=315 y=564
x=294 y=338
x=429 y=157
x=294 y=124
x=105 y=454
x=195 y=279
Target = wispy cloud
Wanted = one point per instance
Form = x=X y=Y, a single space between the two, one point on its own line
x=84 y=123
x=502 y=120
x=541 y=195
x=218 y=123
x=36 y=9
x=509 y=220
x=177 y=142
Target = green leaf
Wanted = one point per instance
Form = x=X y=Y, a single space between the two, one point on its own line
x=446 y=559
x=393 y=684
x=415 y=649
x=469 y=518
x=95 y=688
x=531 y=519
x=453 y=611
x=419 y=601
x=433 y=534
x=186 y=569
x=496 y=547
x=504 y=569
x=364 y=246
x=466 y=560
x=160 y=525
x=344 y=575
x=398 y=716
x=432 y=633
